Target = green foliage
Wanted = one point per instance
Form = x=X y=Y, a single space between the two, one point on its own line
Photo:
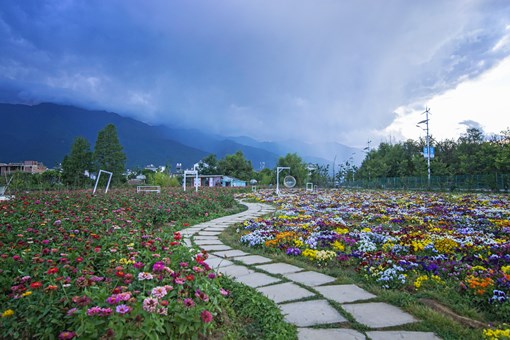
x=471 y=154
x=76 y=163
x=209 y=166
x=297 y=167
x=108 y=153
x=264 y=319
x=162 y=179
x=236 y=166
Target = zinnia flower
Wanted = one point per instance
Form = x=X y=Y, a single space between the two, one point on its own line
x=206 y=316
x=65 y=335
x=7 y=313
x=123 y=309
x=188 y=302
x=150 y=304
x=159 y=292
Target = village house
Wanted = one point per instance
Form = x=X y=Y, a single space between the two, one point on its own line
x=32 y=167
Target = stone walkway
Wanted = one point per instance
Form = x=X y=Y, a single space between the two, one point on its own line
x=285 y=283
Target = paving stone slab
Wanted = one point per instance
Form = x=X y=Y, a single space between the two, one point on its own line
x=257 y=279
x=310 y=278
x=235 y=271
x=214 y=247
x=378 y=314
x=217 y=262
x=201 y=237
x=402 y=335
x=253 y=259
x=311 y=313
x=208 y=242
x=344 y=293
x=279 y=268
x=209 y=233
x=287 y=291
x=329 y=334
x=230 y=253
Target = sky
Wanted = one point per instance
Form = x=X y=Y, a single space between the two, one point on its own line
x=348 y=71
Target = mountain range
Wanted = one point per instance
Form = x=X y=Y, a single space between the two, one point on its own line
x=45 y=132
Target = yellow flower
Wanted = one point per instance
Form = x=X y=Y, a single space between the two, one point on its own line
x=506 y=269
x=366 y=230
x=27 y=293
x=341 y=231
x=298 y=243
x=338 y=246
x=126 y=261
x=7 y=313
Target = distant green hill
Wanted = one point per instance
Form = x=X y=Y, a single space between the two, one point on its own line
x=45 y=132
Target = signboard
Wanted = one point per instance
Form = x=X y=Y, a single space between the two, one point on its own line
x=425 y=153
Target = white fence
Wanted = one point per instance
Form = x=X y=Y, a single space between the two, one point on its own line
x=148 y=188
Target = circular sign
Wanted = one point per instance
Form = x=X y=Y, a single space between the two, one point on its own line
x=289 y=181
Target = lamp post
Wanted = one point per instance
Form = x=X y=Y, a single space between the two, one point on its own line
x=278 y=170
x=426 y=121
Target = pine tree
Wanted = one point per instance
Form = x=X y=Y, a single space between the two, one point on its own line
x=76 y=163
x=108 y=153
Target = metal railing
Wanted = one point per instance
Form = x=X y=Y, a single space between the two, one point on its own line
x=488 y=182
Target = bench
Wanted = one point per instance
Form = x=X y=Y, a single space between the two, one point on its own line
x=148 y=188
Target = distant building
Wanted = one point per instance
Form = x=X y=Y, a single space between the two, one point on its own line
x=32 y=167
x=217 y=181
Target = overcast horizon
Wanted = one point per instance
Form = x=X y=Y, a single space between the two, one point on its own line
x=330 y=71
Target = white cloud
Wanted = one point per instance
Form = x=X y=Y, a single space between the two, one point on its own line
x=482 y=101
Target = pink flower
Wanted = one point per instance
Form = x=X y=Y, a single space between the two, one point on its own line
x=180 y=281
x=65 y=335
x=138 y=265
x=150 y=304
x=201 y=295
x=206 y=316
x=145 y=276
x=159 y=292
x=188 y=302
x=224 y=292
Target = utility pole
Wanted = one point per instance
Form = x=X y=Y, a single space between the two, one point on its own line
x=428 y=155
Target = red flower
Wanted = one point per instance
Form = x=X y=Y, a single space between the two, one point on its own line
x=36 y=285
x=177 y=236
x=53 y=270
x=190 y=277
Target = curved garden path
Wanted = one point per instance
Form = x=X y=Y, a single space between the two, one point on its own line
x=306 y=298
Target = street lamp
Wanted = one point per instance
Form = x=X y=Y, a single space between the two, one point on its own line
x=426 y=121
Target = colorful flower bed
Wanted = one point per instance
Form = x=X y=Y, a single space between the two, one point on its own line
x=399 y=240
x=106 y=266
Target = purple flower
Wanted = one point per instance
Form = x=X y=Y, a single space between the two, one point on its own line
x=123 y=309
x=158 y=267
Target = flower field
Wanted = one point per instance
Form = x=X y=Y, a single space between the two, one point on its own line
x=106 y=266
x=415 y=242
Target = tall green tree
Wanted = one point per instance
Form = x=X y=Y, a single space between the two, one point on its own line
x=209 y=165
x=109 y=154
x=297 y=168
x=237 y=166
x=76 y=163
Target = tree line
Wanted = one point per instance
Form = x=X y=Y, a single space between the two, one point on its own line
x=472 y=153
